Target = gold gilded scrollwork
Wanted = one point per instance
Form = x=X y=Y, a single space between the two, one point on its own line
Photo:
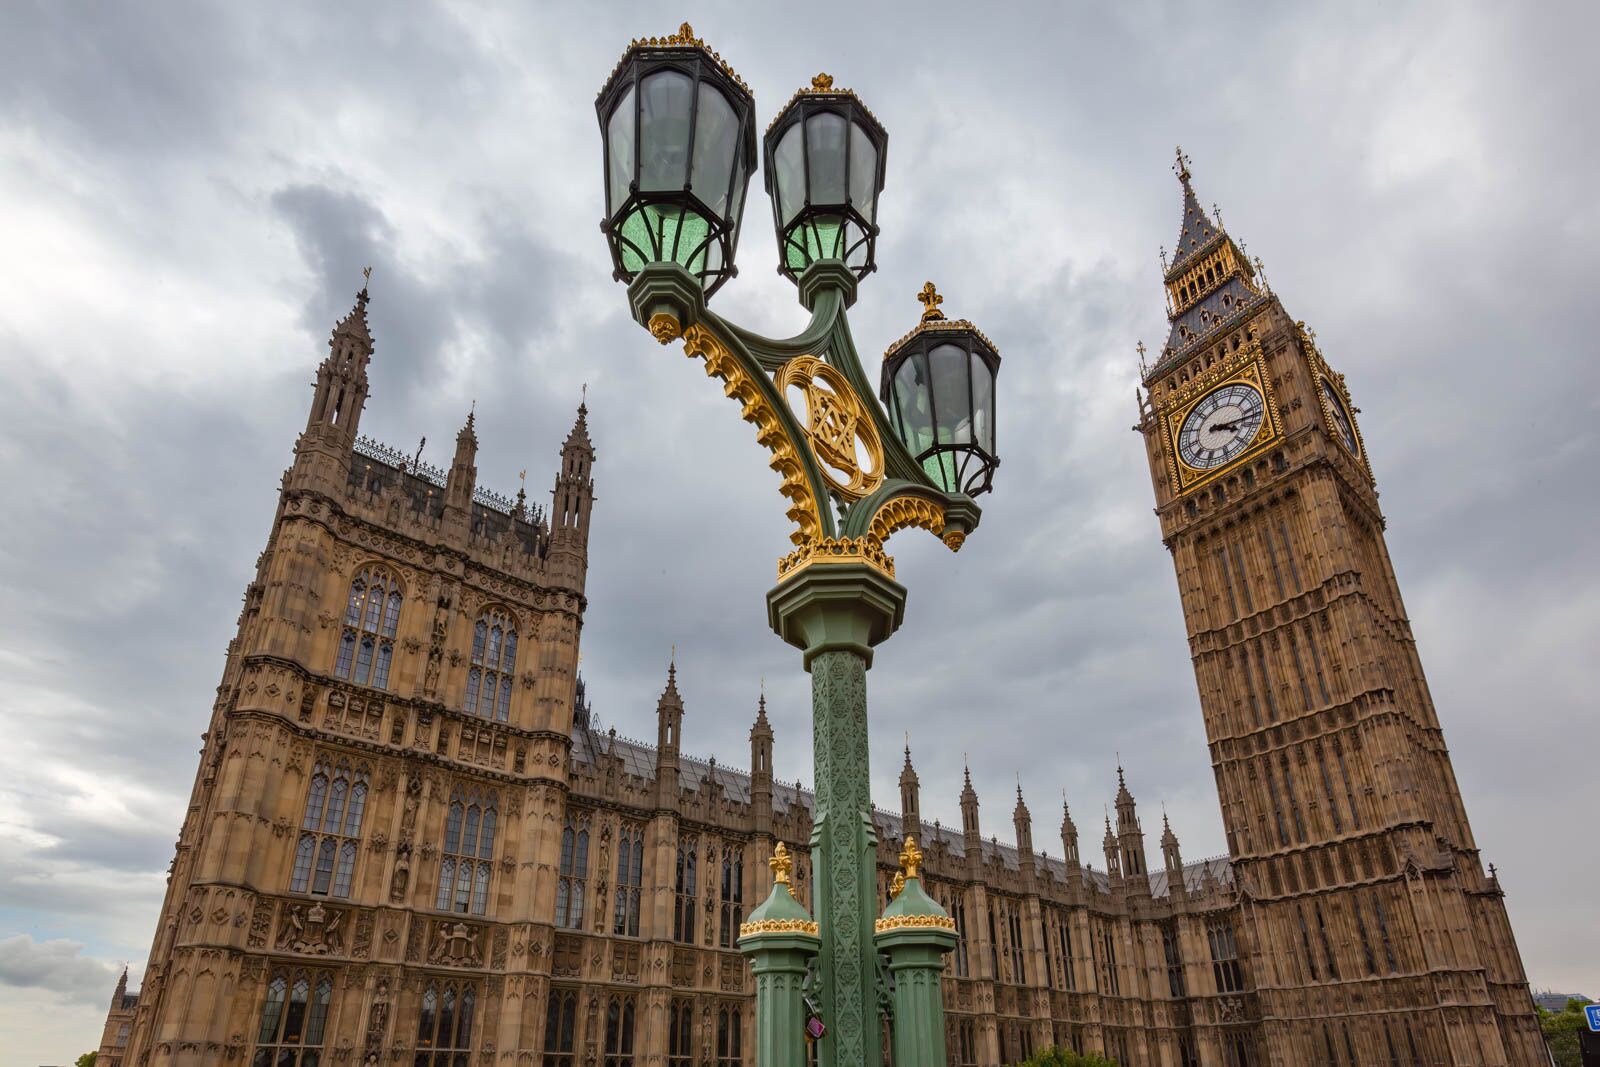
x=698 y=343
x=779 y=926
x=904 y=511
x=836 y=422
x=837 y=550
x=914 y=922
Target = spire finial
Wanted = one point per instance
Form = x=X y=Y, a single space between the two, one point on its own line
x=1216 y=213
x=930 y=303
x=1180 y=166
x=583 y=401
x=472 y=412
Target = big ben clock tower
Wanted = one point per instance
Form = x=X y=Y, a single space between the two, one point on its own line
x=1374 y=934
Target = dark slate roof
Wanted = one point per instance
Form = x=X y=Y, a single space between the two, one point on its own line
x=639 y=760
x=1209 y=316
x=1195 y=234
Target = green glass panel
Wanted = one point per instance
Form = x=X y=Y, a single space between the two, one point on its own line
x=863 y=173
x=789 y=172
x=913 y=401
x=716 y=131
x=952 y=403
x=666 y=98
x=619 y=145
x=657 y=233
x=825 y=142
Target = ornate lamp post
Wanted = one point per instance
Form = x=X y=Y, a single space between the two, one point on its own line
x=852 y=473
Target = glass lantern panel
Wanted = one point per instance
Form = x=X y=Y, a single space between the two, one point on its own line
x=655 y=233
x=863 y=173
x=825 y=141
x=716 y=133
x=818 y=237
x=666 y=98
x=983 y=403
x=912 y=405
x=736 y=204
x=952 y=398
x=789 y=163
x=619 y=146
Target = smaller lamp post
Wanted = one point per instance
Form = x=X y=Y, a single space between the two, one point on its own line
x=780 y=939
x=915 y=933
x=824 y=171
x=938 y=384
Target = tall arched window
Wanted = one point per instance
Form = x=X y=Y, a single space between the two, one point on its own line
x=731 y=907
x=370 y=621
x=630 y=879
x=573 y=879
x=729 y=1033
x=330 y=833
x=293 y=1018
x=465 y=868
x=444 y=1025
x=560 y=1027
x=494 y=660
x=619 y=1032
x=683 y=911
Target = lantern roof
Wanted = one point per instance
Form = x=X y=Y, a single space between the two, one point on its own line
x=821 y=88
x=684 y=39
x=934 y=321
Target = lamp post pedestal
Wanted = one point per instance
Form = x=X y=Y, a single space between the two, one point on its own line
x=780 y=939
x=915 y=933
x=835 y=613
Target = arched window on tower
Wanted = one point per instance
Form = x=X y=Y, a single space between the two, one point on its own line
x=684 y=904
x=370 y=620
x=630 y=880
x=467 y=861
x=330 y=833
x=731 y=907
x=573 y=876
x=444 y=1025
x=294 y=1016
x=494 y=661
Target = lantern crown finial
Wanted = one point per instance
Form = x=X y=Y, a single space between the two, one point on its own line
x=781 y=864
x=910 y=857
x=822 y=83
x=930 y=303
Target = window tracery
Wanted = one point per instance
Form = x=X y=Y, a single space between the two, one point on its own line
x=294 y=1016
x=630 y=879
x=330 y=832
x=466 y=867
x=573 y=877
x=444 y=1025
x=371 y=619
x=494 y=661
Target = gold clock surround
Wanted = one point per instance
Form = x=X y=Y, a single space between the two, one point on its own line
x=1245 y=368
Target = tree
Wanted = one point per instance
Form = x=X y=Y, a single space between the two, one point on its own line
x=1065 y=1057
x=87 y=1059
x=1561 y=1031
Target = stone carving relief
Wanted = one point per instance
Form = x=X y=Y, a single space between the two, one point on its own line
x=455 y=944
x=315 y=930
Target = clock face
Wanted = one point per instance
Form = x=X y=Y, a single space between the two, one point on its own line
x=1341 y=417
x=1221 y=426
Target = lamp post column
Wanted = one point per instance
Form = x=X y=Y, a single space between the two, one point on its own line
x=835 y=613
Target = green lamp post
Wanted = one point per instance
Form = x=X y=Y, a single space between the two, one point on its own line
x=915 y=933
x=852 y=473
x=781 y=940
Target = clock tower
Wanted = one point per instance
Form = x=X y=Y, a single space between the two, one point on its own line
x=1373 y=933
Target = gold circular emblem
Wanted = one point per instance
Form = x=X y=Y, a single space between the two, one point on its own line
x=841 y=431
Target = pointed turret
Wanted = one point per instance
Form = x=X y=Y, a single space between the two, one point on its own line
x=1022 y=822
x=910 y=798
x=463 y=477
x=970 y=832
x=1171 y=858
x=761 y=767
x=574 y=491
x=341 y=391
x=121 y=991
x=1113 y=858
x=1211 y=285
x=669 y=736
x=1130 y=837
x=1069 y=835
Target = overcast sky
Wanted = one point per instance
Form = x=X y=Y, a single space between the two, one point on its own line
x=188 y=195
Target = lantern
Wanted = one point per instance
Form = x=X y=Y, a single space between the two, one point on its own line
x=938 y=386
x=678 y=126
x=824 y=170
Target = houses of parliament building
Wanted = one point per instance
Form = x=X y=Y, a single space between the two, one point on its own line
x=407 y=843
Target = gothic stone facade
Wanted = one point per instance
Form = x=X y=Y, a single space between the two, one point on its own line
x=407 y=844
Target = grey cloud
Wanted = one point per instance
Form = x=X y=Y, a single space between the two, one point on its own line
x=58 y=966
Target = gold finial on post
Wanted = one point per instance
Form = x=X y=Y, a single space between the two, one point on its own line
x=822 y=83
x=1180 y=166
x=781 y=864
x=910 y=856
x=930 y=303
